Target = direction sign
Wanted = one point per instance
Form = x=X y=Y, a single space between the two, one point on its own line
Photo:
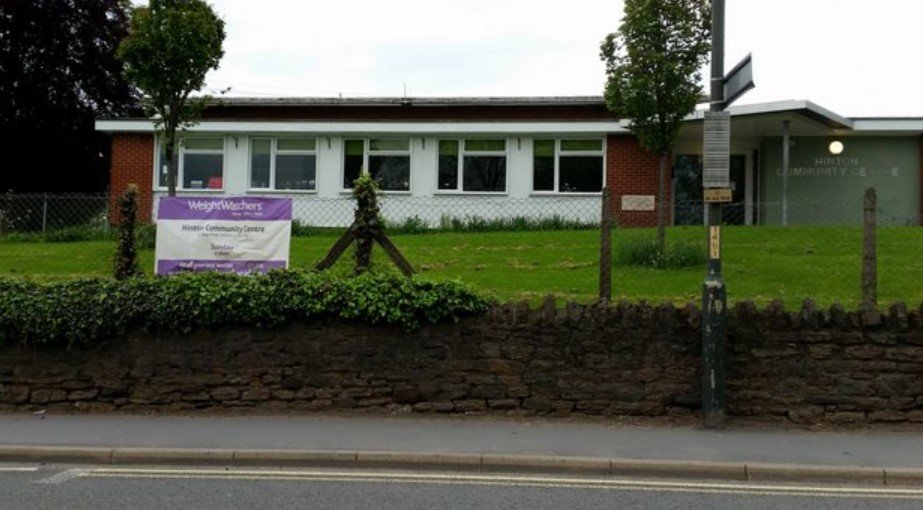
x=738 y=81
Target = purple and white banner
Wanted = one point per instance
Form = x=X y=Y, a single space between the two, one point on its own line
x=228 y=234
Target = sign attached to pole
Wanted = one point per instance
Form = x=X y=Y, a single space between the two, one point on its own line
x=738 y=81
x=227 y=234
x=717 y=163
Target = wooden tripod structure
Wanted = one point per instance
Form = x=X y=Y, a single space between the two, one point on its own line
x=365 y=230
x=376 y=234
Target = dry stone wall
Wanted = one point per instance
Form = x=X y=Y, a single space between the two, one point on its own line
x=809 y=366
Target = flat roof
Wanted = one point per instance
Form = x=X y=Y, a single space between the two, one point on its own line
x=413 y=101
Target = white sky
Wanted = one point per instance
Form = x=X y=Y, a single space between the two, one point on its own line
x=855 y=57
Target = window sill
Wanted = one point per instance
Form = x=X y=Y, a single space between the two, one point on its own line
x=471 y=193
x=566 y=194
x=191 y=191
x=382 y=192
x=257 y=191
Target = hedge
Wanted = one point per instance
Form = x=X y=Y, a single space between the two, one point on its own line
x=90 y=310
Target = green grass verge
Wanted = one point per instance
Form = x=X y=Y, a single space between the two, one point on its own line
x=760 y=263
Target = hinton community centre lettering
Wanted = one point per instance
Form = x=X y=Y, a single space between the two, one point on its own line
x=840 y=167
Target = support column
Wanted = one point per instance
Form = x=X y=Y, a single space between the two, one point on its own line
x=786 y=165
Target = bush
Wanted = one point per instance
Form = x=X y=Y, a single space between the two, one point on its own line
x=146 y=236
x=644 y=253
x=413 y=225
x=92 y=310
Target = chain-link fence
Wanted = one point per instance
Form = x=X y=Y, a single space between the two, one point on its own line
x=47 y=213
x=42 y=213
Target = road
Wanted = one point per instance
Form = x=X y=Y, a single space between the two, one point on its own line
x=77 y=487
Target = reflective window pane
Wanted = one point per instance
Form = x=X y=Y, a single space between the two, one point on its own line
x=295 y=144
x=485 y=145
x=295 y=171
x=389 y=145
x=259 y=163
x=543 y=165
x=391 y=172
x=203 y=171
x=581 y=174
x=581 y=145
x=213 y=144
x=448 y=164
x=352 y=161
x=484 y=173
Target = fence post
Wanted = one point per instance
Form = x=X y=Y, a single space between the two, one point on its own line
x=869 y=253
x=605 y=247
x=44 y=213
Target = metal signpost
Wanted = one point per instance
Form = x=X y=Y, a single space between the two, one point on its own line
x=717 y=190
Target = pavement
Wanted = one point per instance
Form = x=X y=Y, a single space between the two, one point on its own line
x=482 y=444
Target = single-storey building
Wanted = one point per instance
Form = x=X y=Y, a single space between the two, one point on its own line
x=438 y=158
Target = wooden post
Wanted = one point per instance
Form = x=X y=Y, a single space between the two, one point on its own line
x=605 y=247
x=869 y=252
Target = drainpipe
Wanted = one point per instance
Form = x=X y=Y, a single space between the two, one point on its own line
x=786 y=163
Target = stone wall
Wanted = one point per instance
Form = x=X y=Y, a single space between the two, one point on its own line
x=809 y=366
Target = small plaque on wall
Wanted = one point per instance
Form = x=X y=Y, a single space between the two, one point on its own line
x=638 y=203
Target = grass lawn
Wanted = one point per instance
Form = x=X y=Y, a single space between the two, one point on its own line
x=760 y=263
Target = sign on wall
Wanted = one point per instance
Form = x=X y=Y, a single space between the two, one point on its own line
x=226 y=234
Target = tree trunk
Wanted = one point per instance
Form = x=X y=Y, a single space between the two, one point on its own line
x=170 y=149
x=661 y=206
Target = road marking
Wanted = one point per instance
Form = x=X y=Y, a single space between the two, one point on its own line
x=511 y=481
x=63 y=476
x=15 y=469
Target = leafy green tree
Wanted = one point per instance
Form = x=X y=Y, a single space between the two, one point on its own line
x=653 y=64
x=58 y=74
x=171 y=46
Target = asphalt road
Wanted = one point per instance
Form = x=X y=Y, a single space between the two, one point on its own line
x=78 y=487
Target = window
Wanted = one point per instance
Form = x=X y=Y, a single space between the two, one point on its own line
x=472 y=165
x=388 y=162
x=200 y=164
x=283 y=163
x=567 y=166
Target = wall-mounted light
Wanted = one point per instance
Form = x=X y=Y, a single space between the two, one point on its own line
x=835 y=147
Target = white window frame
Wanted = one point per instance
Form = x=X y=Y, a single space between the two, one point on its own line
x=273 y=151
x=181 y=150
x=462 y=152
x=558 y=153
x=366 y=152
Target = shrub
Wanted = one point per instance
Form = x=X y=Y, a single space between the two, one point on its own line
x=644 y=253
x=92 y=310
x=413 y=225
x=146 y=236
x=301 y=229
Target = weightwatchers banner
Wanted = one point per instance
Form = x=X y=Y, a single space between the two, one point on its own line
x=228 y=234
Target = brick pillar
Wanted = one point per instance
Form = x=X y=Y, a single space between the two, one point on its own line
x=633 y=170
x=132 y=163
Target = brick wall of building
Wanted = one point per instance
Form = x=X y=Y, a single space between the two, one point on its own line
x=132 y=163
x=633 y=170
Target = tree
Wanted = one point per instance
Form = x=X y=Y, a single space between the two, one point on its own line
x=58 y=74
x=171 y=46
x=653 y=64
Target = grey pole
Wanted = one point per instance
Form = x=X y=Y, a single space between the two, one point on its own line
x=786 y=165
x=714 y=293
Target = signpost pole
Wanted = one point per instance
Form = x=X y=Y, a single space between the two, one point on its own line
x=714 y=294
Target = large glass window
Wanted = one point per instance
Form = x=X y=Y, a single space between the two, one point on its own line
x=200 y=164
x=567 y=166
x=472 y=165
x=387 y=160
x=283 y=163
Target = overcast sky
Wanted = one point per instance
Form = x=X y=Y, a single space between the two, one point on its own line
x=855 y=57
